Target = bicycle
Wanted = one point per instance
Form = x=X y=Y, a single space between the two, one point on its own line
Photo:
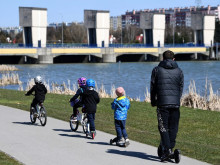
x=39 y=112
x=83 y=120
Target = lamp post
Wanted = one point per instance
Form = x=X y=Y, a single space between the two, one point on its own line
x=173 y=29
x=62 y=33
x=62 y=28
x=121 y=35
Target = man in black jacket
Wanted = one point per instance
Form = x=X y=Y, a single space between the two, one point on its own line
x=40 y=91
x=167 y=82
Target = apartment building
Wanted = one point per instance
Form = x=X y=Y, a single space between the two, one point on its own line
x=173 y=16
x=115 y=23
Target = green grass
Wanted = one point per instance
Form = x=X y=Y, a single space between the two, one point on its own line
x=199 y=130
x=7 y=160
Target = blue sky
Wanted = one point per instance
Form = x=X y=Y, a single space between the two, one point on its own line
x=72 y=10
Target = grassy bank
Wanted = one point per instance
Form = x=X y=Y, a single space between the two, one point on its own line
x=199 y=131
x=7 y=160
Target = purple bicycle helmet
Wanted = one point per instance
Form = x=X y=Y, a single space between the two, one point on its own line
x=82 y=81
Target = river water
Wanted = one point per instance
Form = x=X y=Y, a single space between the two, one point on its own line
x=134 y=77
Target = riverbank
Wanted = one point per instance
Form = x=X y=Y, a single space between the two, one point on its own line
x=198 y=135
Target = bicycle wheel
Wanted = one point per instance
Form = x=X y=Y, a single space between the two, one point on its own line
x=73 y=124
x=43 y=116
x=33 y=119
x=85 y=125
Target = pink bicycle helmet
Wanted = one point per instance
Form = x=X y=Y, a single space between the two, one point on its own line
x=82 y=81
x=120 y=91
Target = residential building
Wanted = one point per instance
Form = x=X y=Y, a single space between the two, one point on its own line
x=115 y=23
x=131 y=18
x=14 y=30
x=173 y=16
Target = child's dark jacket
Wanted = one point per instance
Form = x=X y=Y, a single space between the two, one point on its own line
x=90 y=99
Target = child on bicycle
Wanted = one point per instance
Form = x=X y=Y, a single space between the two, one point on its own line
x=120 y=105
x=40 y=91
x=78 y=102
x=90 y=99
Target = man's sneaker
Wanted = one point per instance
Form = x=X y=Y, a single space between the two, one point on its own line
x=127 y=142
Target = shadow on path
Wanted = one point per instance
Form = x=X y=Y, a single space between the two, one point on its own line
x=100 y=143
x=140 y=155
x=63 y=130
x=67 y=135
x=26 y=123
x=66 y=130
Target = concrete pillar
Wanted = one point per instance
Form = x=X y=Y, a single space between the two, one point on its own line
x=45 y=59
x=160 y=57
x=109 y=58
x=196 y=56
x=45 y=56
x=145 y=57
x=195 y=37
x=108 y=55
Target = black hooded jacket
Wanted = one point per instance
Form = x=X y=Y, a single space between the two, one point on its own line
x=40 y=91
x=167 y=82
x=90 y=99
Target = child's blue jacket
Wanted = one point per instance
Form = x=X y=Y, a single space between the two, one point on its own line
x=121 y=106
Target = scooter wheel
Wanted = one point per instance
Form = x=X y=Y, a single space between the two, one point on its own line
x=111 y=141
x=177 y=155
x=93 y=135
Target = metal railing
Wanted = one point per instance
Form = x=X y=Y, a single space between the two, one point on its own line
x=82 y=45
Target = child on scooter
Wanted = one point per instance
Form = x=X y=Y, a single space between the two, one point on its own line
x=120 y=105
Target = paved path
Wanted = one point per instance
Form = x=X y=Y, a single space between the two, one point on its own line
x=55 y=144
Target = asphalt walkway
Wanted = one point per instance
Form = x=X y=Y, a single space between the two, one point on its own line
x=55 y=144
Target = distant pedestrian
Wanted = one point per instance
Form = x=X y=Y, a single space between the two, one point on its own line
x=167 y=82
x=120 y=105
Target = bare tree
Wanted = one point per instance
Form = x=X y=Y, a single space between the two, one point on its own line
x=130 y=33
x=77 y=33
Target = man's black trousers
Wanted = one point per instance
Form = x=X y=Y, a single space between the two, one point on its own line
x=168 y=122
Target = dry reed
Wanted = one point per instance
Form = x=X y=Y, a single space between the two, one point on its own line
x=8 y=68
x=66 y=89
x=210 y=100
x=193 y=99
x=9 y=79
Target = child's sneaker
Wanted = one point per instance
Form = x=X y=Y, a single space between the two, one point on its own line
x=127 y=142
x=74 y=118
